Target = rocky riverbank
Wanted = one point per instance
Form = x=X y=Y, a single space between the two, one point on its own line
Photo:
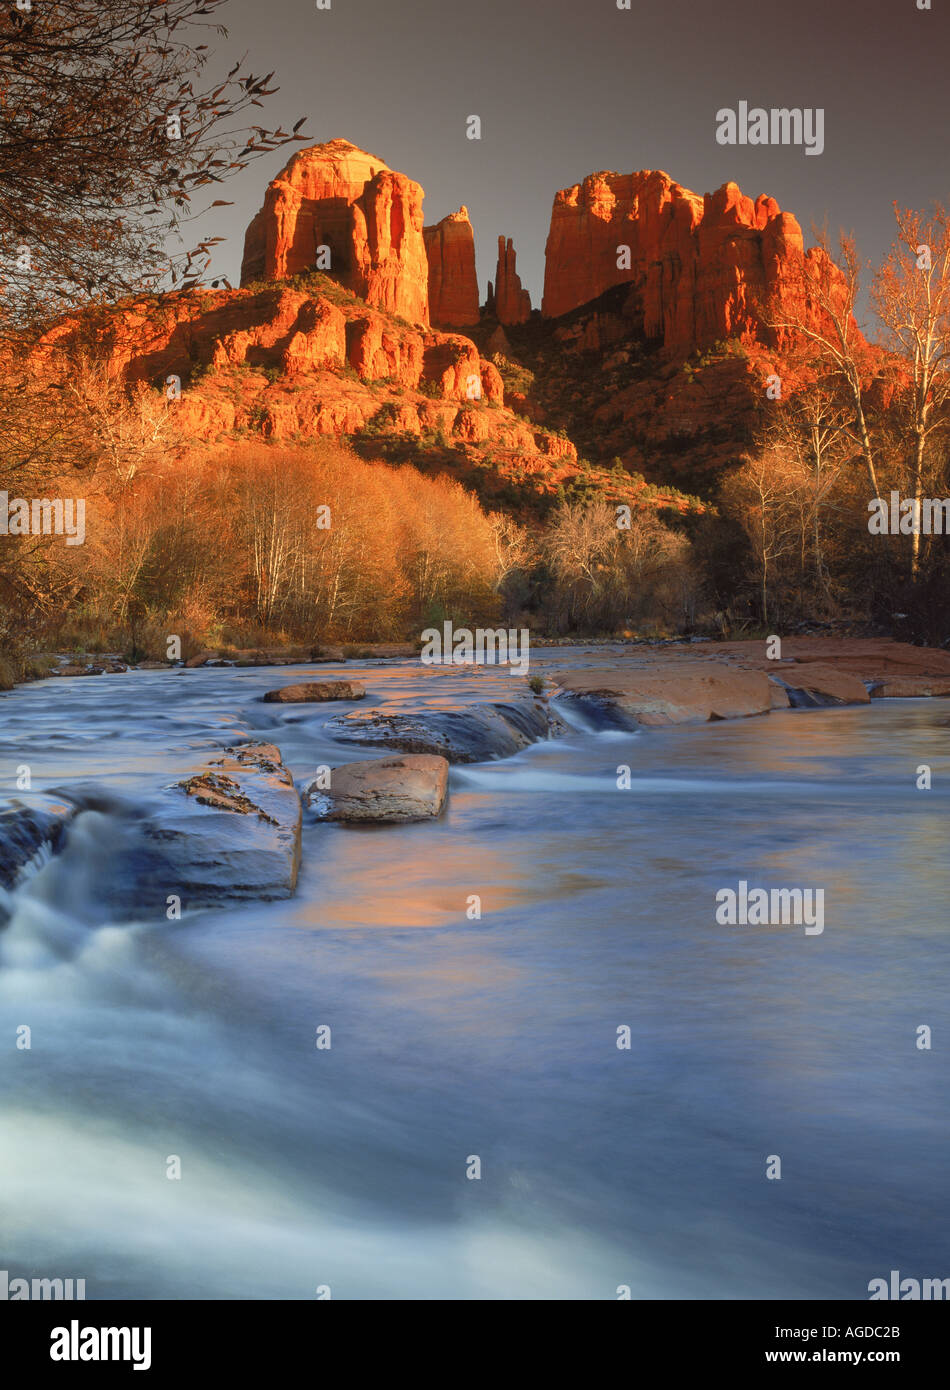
x=232 y=829
x=689 y=683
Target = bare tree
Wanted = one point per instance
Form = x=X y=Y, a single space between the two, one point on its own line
x=911 y=294
x=107 y=134
x=607 y=574
x=131 y=427
x=578 y=547
x=757 y=496
x=511 y=545
x=812 y=431
x=824 y=292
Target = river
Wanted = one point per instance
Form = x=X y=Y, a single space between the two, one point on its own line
x=453 y=1038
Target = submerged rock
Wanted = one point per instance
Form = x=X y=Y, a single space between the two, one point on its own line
x=27 y=829
x=472 y=734
x=257 y=656
x=313 y=691
x=408 y=787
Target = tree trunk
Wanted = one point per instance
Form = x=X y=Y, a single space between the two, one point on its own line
x=918 y=481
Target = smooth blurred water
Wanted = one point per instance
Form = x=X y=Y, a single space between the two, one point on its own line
x=494 y=1037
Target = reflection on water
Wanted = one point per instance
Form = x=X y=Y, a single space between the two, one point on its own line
x=497 y=1036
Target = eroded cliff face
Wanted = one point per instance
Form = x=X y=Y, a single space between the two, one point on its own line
x=700 y=269
x=312 y=343
x=290 y=361
x=453 y=283
x=369 y=219
x=642 y=278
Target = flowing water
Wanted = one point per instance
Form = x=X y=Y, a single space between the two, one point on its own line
x=495 y=1037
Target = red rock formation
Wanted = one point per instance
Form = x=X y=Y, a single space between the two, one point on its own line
x=376 y=349
x=277 y=327
x=453 y=284
x=511 y=303
x=305 y=366
x=700 y=268
x=338 y=196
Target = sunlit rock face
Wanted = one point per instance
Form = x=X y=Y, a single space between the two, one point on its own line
x=700 y=268
x=510 y=302
x=453 y=283
x=368 y=217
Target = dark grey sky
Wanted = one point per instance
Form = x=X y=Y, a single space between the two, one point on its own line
x=567 y=87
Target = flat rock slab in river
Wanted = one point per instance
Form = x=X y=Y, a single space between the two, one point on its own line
x=471 y=734
x=682 y=693
x=778 y=694
x=316 y=691
x=230 y=832
x=407 y=787
x=911 y=687
x=810 y=683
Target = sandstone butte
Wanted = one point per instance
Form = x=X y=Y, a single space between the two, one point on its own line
x=699 y=267
x=338 y=352
x=511 y=304
x=330 y=354
x=453 y=284
x=369 y=217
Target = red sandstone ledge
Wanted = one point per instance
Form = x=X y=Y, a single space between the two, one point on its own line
x=686 y=683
